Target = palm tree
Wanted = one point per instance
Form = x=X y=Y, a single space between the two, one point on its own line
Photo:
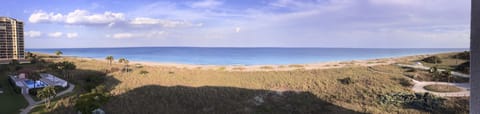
x=126 y=64
x=121 y=60
x=110 y=59
x=34 y=76
x=46 y=93
x=124 y=61
x=67 y=67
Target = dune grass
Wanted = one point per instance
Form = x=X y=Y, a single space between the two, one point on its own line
x=251 y=92
x=267 y=67
x=448 y=61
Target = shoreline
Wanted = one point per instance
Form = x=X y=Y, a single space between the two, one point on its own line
x=273 y=67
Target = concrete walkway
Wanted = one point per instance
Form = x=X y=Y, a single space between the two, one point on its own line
x=419 y=87
x=428 y=68
x=33 y=104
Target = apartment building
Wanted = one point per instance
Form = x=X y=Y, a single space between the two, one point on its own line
x=11 y=40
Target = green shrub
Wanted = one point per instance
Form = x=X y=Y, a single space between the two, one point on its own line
x=424 y=101
x=464 y=67
x=464 y=55
x=88 y=102
x=143 y=72
x=346 y=81
x=432 y=59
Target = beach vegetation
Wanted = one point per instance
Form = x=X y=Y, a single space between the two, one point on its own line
x=143 y=72
x=464 y=67
x=58 y=53
x=110 y=59
x=346 y=80
x=296 y=66
x=266 y=67
x=64 y=67
x=239 y=68
x=88 y=102
x=423 y=101
x=47 y=93
x=433 y=59
x=222 y=68
x=462 y=55
x=125 y=62
x=173 y=89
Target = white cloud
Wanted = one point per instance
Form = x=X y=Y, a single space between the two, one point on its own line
x=72 y=35
x=41 y=17
x=122 y=35
x=206 y=4
x=237 y=29
x=151 y=34
x=85 y=17
x=161 y=22
x=76 y=17
x=55 y=34
x=33 y=34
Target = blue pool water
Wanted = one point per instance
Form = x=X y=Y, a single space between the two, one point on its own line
x=242 y=56
x=35 y=84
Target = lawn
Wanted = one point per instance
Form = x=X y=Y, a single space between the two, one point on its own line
x=10 y=102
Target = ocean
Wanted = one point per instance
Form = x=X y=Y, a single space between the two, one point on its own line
x=242 y=56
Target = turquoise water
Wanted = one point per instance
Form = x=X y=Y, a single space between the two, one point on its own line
x=242 y=56
x=36 y=84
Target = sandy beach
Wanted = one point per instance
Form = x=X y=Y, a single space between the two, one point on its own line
x=270 y=67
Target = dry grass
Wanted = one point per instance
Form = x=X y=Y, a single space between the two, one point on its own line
x=448 y=62
x=174 y=90
x=442 y=88
x=239 y=68
x=296 y=66
x=267 y=67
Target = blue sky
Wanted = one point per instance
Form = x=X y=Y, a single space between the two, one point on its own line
x=243 y=23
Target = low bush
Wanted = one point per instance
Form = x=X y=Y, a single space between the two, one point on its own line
x=266 y=67
x=464 y=67
x=464 y=55
x=143 y=72
x=346 y=81
x=425 y=101
x=432 y=59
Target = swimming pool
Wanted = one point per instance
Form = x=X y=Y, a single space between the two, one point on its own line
x=35 y=84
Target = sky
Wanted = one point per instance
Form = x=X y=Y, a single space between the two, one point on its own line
x=243 y=23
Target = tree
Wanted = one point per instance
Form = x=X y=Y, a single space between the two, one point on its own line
x=88 y=102
x=67 y=67
x=34 y=76
x=47 y=93
x=64 y=67
x=110 y=59
x=124 y=61
x=58 y=53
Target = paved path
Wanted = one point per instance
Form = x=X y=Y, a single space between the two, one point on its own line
x=33 y=104
x=428 y=68
x=418 y=86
